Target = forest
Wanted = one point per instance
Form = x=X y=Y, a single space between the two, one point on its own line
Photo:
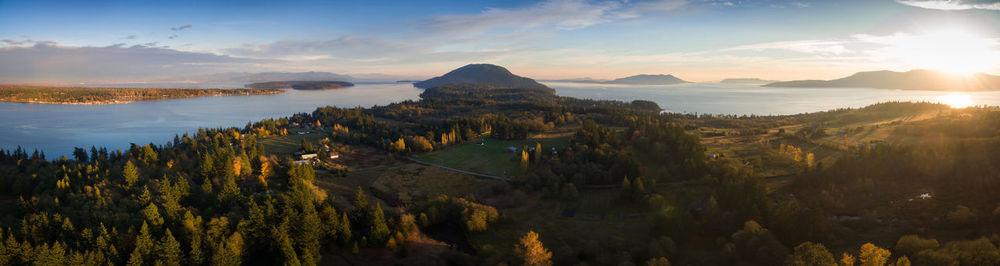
x=619 y=184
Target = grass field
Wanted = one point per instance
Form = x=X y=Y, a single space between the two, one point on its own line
x=289 y=144
x=491 y=158
x=412 y=182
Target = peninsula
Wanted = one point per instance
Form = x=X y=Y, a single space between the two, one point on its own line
x=99 y=96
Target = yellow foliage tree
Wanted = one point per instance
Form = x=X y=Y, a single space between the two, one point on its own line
x=872 y=255
x=846 y=260
x=532 y=252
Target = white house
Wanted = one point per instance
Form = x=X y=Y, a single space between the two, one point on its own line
x=334 y=155
x=307 y=156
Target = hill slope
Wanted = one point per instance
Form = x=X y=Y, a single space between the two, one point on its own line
x=910 y=80
x=482 y=74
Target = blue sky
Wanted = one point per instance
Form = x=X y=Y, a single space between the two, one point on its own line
x=699 y=40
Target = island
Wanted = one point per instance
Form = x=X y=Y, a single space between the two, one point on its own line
x=641 y=79
x=482 y=74
x=99 y=96
x=747 y=81
x=648 y=79
x=911 y=80
x=301 y=85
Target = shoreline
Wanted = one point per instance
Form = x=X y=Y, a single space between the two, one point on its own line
x=115 y=102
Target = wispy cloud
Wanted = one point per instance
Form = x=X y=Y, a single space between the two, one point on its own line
x=188 y=26
x=49 y=61
x=953 y=4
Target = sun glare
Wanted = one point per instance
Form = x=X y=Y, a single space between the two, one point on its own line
x=951 y=50
x=956 y=100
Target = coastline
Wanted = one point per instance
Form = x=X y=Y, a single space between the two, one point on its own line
x=128 y=101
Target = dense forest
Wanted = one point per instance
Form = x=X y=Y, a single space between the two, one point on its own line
x=88 y=95
x=631 y=186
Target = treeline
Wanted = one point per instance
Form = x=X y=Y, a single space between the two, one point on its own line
x=88 y=95
x=212 y=198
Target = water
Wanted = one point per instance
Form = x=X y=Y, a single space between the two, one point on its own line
x=741 y=99
x=57 y=129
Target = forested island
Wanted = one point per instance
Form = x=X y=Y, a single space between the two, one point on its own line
x=96 y=96
x=301 y=85
x=474 y=174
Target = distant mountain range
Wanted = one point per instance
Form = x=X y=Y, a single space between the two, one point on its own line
x=747 y=81
x=301 y=85
x=910 y=80
x=642 y=79
x=482 y=74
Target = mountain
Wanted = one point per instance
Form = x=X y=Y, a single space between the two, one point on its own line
x=910 y=80
x=646 y=79
x=483 y=74
x=301 y=85
x=747 y=81
x=248 y=77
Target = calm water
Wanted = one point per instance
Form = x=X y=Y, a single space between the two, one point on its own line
x=56 y=129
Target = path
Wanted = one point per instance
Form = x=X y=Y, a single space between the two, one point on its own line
x=458 y=170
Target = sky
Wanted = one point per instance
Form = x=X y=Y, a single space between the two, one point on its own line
x=696 y=40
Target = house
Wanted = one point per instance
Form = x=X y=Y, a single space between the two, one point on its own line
x=307 y=156
x=510 y=149
x=334 y=155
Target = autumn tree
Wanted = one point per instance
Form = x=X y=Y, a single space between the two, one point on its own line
x=810 y=253
x=872 y=255
x=531 y=251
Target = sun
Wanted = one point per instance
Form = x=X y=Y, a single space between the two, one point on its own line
x=951 y=50
x=956 y=100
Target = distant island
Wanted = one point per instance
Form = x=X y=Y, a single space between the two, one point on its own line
x=301 y=85
x=647 y=79
x=249 y=77
x=910 y=80
x=641 y=79
x=482 y=74
x=98 y=96
x=407 y=81
x=747 y=81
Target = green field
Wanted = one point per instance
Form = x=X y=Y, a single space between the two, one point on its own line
x=290 y=143
x=491 y=158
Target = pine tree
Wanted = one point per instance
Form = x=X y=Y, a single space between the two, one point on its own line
x=169 y=250
x=131 y=174
x=379 y=232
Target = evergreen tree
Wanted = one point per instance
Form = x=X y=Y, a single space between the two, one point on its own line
x=131 y=174
x=169 y=250
x=379 y=232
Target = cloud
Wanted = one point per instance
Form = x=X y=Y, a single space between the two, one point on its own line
x=551 y=14
x=130 y=37
x=49 y=61
x=953 y=4
x=188 y=26
x=172 y=37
